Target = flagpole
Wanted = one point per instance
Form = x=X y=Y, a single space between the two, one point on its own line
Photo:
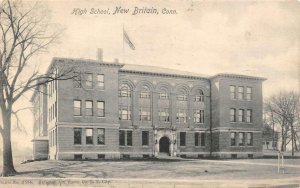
x=128 y=41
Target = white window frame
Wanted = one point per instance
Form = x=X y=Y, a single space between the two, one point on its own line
x=232 y=115
x=100 y=108
x=88 y=108
x=89 y=80
x=181 y=115
x=125 y=91
x=249 y=116
x=145 y=114
x=240 y=92
x=77 y=106
x=125 y=113
x=249 y=93
x=100 y=81
x=232 y=89
x=241 y=115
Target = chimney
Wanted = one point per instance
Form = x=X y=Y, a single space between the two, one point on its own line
x=116 y=60
x=100 y=54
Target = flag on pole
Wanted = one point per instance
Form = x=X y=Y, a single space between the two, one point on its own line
x=127 y=40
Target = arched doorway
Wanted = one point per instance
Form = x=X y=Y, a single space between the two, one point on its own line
x=164 y=145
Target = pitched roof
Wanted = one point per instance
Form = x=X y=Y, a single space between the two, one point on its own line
x=159 y=70
x=238 y=76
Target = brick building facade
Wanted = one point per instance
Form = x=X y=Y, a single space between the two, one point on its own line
x=114 y=110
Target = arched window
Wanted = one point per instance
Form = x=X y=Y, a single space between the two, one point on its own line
x=182 y=96
x=145 y=92
x=163 y=94
x=199 y=97
x=125 y=91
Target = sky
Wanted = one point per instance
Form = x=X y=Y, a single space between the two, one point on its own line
x=206 y=37
x=243 y=37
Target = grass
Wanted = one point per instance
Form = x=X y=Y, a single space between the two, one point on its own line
x=156 y=169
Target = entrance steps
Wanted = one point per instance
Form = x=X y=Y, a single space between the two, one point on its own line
x=166 y=156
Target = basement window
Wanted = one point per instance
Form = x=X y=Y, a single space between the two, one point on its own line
x=233 y=156
x=78 y=156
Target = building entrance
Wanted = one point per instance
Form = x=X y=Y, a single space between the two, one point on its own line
x=164 y=145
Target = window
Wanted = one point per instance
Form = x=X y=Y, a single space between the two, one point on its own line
x=89 y=80
x=89 y=136
x=200 y=96
x=182 y=138
x=122 y=138
x=146 y=156
x=78 y=157
x=125 y=113
x=54 y=137
x=88 y=108
x=181 y=116
x=125 y=91
x=76 y=80
x=233 y=156
x=145 y=138
x=145 y=93
x=145 y=113
x=249 y=116
x=125 y=138
x=233 y=139
x=199 y=116
x=197 y=139
x=125 y=156
x=77 y=108
x=241 y=139
x=100 y=81
x=100 y=109
x=101 y=156
x=181 y=96
x=203 y=137
x=232 y=92
x=53 y=86
x=241 y=115
x=50 y=114
x=101 y=136
x=55 y=109
x=49 y=89
x=232 y=115
x=163 y=114
x=50 y=138
x=129 y=138
x=249 y=93
x=241 y=93
x=77 y=135
x=250 y=139
x=200 y=139
x=164 y=94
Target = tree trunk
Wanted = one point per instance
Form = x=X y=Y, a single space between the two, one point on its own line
x=292 y=130
x=8 y=164
x=282 y=139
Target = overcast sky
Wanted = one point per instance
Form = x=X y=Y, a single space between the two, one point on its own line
x=245 y=37
x=205 y=37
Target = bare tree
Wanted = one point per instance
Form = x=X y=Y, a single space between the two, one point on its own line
x=23 y=35
x=282 y=110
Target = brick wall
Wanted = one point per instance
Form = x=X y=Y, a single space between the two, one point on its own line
x=221 y=123
x=67 y=148
x=216 y=105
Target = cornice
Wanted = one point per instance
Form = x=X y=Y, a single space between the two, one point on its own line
x=163 y=75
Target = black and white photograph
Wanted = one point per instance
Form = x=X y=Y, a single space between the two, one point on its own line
x=143 y=93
